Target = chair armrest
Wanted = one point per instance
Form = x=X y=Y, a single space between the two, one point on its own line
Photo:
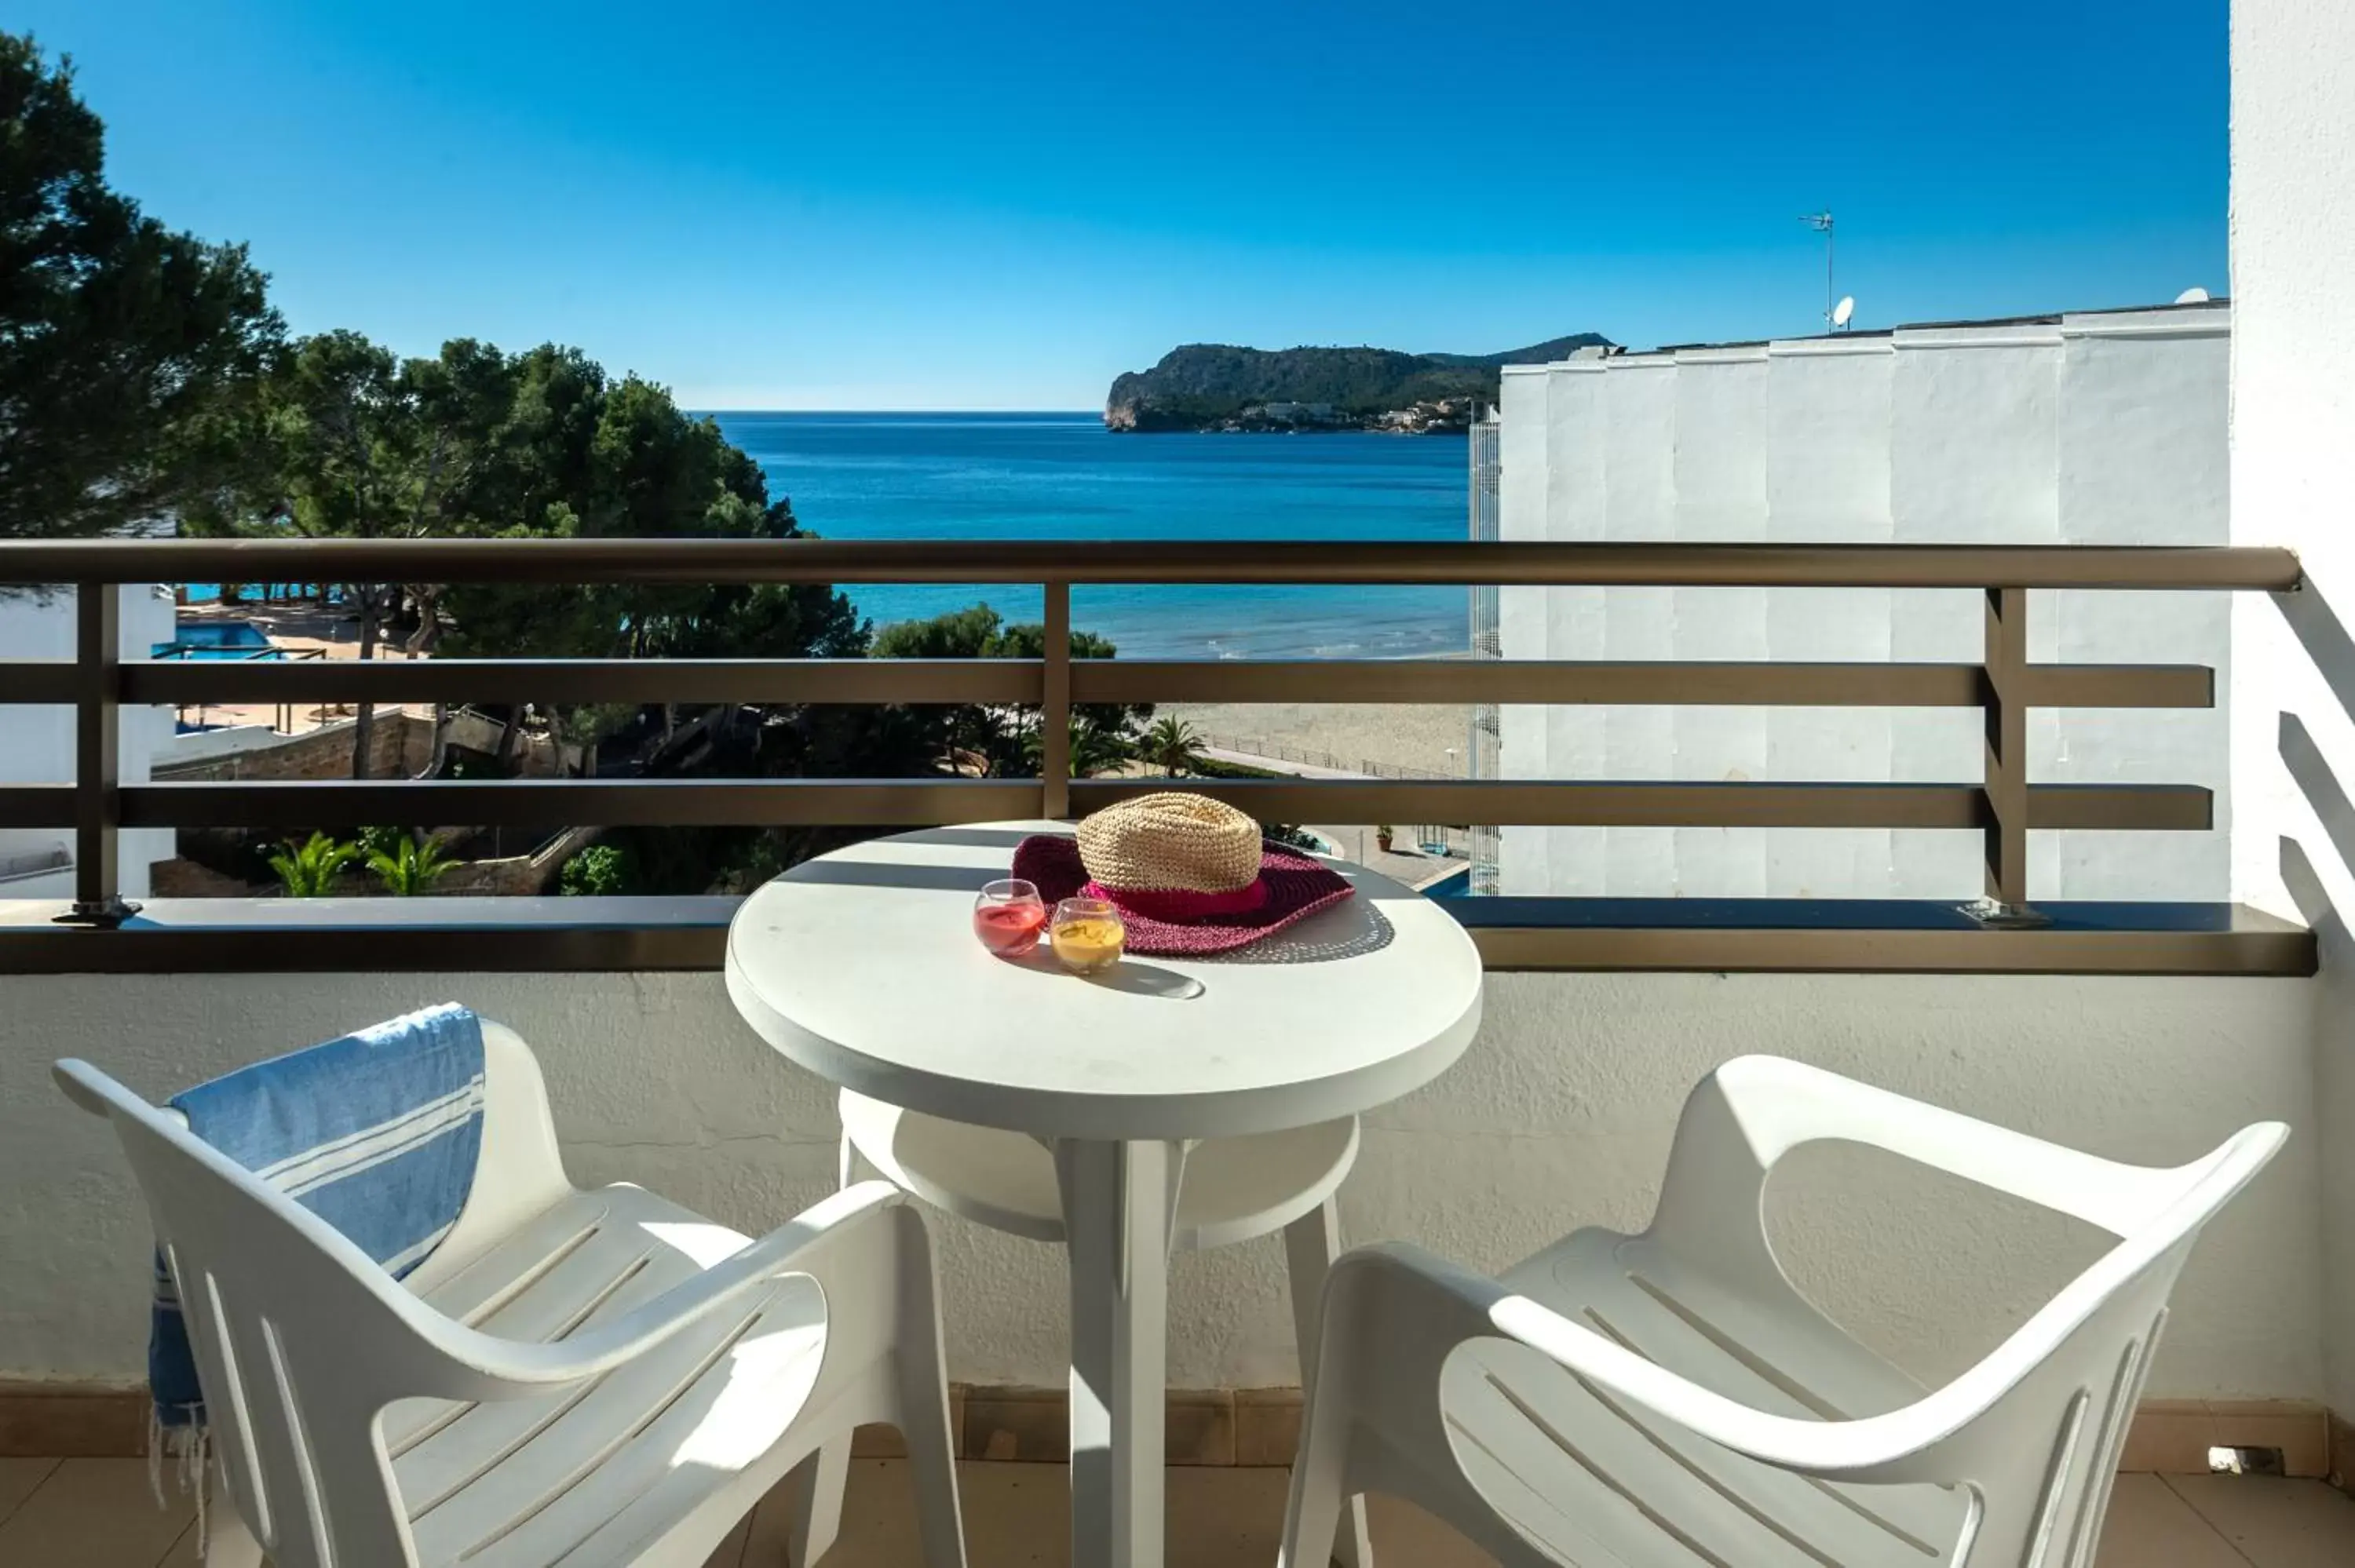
x=1821 y=1447
x=1776 y=1105
x=532 y=1365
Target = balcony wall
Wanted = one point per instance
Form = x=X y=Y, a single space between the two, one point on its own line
x=2294 y=484
x=1559 y=1115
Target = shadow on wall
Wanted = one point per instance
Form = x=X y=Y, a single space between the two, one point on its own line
x=2324 y=636
x=2324 y=640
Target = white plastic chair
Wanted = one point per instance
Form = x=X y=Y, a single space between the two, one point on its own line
x=1670 y=1399
x=594 y=1377
x=1233 y=1189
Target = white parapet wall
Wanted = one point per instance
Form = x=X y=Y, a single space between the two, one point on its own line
x=1559 y=1116
x=2100 y=428
x=36 y=744
x=2294 y=485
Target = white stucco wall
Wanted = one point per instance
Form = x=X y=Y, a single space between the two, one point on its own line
x=36 y=744
x=2294 y=485
x=1559 y=1115
x=2096 y=429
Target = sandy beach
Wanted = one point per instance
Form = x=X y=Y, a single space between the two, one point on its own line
x=1402 y=736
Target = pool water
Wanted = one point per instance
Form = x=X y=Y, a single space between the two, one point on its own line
x=217 y=639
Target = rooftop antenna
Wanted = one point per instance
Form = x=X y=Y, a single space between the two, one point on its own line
x=1844 y=312
x=1822 y=223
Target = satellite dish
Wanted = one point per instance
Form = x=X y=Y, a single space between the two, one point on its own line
x=2192 y=296
x=1843 y=312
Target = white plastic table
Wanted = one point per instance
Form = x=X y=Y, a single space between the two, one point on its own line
x=861 y=966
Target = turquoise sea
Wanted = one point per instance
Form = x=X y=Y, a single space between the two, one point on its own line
x=1063 y=476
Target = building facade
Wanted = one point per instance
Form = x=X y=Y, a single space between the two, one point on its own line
x=36 y=744
x=2106 y=428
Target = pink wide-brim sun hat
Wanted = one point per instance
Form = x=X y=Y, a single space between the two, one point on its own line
x=1189 y=875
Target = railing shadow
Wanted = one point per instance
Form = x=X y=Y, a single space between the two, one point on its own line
x=2331 y=651
x=2324 y=636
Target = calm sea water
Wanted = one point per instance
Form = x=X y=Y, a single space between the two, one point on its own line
x=1063 y=476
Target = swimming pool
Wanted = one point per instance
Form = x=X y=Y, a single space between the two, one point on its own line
x=199 y=593
x=217 y=639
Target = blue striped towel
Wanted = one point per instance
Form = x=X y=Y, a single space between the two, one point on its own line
x=376 y=1133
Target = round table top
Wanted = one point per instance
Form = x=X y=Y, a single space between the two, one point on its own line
x=862 y=967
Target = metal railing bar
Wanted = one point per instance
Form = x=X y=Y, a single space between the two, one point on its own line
x=920 y=681
x=583 y=802
x=609 y=935
x=97 y=754
x=1055 y=716
x=36 y=806
x=1564 y=683
x=1648 y=803
x=937 y=803
x=908 y=681
x=28 y=681
x=1149 y=561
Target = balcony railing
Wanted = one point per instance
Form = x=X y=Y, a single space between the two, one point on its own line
x=2001 y=805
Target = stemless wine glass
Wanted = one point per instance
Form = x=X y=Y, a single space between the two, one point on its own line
x=1010 y=917
x=1088 y=935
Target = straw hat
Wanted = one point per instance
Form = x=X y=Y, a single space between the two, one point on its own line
x=1187 y=873
x=1176 y=842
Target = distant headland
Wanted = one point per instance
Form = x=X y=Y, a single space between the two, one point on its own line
x=1218 y=387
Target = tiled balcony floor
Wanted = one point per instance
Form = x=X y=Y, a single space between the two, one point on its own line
x=96 y=1513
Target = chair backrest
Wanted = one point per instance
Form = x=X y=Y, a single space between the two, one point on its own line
x=301 y=1339
x=2035 y=1429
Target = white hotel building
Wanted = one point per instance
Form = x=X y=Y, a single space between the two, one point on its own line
x=2099 y=428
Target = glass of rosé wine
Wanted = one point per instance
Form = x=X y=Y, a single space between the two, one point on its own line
x=1009 y=918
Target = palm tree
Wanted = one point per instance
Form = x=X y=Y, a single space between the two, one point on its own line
x=1094 y=749
x=412 y=867
x=1173 y=745
x=309 y=870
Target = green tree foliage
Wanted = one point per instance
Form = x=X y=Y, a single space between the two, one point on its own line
x=1094 y=749
x=355 y=442
x=598 y=872
x=1173 y=745
x=128 y=351
x=411 y=867
x=1005 y=738
x=308 y=870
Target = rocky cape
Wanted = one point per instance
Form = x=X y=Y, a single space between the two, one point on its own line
x=1218 y=386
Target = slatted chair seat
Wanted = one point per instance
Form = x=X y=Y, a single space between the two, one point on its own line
x=589 y=1475
x=591 y=1377
x=1671 y=1400
x=1590 y=1480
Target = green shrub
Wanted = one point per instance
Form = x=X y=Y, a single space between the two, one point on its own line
x=1212 y=768
x=601 y=871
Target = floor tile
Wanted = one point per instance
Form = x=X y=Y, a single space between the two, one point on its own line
x=17 y=1480
x=98 y=1513
x=2275 y=1523
x=1018 y=1515
x=1015 y=1514
x=185 y=1552
x=2150 y=1527
x=95 y=1513
x=729 y=1553
x=1407 y=1534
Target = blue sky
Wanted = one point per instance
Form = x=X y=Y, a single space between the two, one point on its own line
x=965 y=206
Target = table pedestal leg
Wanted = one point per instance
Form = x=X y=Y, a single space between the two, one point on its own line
x=1118 y=1202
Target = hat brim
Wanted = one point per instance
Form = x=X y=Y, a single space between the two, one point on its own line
x=1297 y=887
